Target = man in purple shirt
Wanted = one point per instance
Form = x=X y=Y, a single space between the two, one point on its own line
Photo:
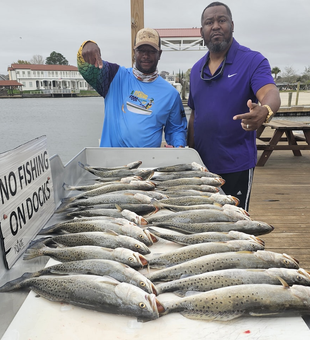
x=225 y=88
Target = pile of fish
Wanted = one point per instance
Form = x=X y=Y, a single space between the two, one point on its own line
x=208 y=253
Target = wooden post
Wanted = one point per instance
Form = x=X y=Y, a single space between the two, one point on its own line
x=290 y=99
x=137 y=21
x=297 y=93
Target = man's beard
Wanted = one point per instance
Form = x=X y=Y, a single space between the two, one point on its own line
x=217 y=47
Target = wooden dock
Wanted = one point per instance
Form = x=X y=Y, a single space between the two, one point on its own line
x=281 y=197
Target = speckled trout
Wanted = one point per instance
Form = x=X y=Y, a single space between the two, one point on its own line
x=65 y=254
x=163 y=176
x=132 y=165
x=114 y=269
x=260 y=259
x=182 y=167
x=255 y=228
x=78 y=226
x=214 y=181
x=232 y=277
x=107 y=239
x=96 y=293
x=197 y=216
x=228 y=303
x=138 y=185
x=216 y=197
x=97 y=184
x=194 y=251
x=187 y=239
x=110 y=198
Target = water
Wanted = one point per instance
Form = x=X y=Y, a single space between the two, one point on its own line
x=70 y=124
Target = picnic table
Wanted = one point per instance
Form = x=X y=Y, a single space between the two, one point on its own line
x=293 y=136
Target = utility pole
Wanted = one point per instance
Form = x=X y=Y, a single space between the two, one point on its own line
x=137 y=21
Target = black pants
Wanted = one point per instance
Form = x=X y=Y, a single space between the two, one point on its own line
x=239 y=184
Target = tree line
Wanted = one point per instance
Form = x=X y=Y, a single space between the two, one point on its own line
x=54 y=58
x=290 y=76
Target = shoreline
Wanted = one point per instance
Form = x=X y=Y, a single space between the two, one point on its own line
x=303 y=99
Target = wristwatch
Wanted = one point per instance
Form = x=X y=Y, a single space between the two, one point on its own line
x=270 y=114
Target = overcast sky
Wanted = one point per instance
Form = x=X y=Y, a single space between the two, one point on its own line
x=279 y=29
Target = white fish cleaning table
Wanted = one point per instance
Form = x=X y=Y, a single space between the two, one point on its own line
x=39 y=318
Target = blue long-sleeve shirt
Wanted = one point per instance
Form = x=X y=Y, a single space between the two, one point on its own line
x=136 y=112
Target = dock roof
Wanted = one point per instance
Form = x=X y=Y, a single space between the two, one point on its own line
x=42 y=67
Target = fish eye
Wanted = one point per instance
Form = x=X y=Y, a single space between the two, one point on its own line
x=142 y=305
x=130 y=259
x=142 y=284
x=298 y=278
x=141 y=236
x=137 y=246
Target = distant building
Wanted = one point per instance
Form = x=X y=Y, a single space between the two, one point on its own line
x=7 y=87
x=3 y=77
x=48 y=78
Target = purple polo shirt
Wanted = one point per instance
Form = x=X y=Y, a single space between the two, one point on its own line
x=221 y=142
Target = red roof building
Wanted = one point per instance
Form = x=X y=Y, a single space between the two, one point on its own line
x=53 y=79
x=7 y=87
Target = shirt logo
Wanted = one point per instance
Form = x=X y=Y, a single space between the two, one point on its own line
x=231 y=75
x=139 y=103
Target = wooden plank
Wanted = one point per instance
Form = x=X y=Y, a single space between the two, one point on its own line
x=137 y=21
x=280 y=197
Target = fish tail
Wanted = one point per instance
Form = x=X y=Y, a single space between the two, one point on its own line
x=86 y=167
x=66 y=186
x=46 y=231
x=158 y=205
x=39 y=244
x=15 y=284
x=82 y=165
x=65 y=204
x=31 y=254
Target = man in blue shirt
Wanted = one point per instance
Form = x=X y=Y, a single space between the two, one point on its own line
x=139 y=104
x=225 y=87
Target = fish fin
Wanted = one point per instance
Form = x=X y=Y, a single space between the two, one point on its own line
x=215 y=317
x=263 y=314
x=284 y=283
x=180 y=293
x=118 y=208
x=111 y=232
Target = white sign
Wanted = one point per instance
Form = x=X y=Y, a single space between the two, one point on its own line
x=26 y=197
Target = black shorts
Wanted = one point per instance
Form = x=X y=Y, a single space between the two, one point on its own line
x=239 y=184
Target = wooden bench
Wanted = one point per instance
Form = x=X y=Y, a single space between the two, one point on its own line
x=284 y=131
